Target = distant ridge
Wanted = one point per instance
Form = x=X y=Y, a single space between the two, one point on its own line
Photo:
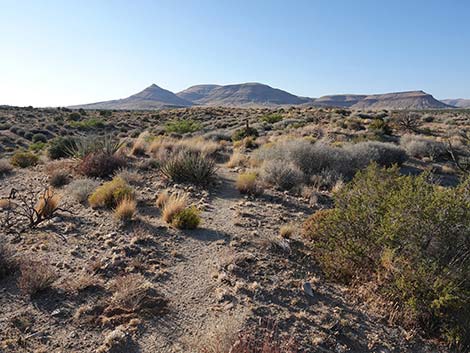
x=392 y=101
x=458 y=103
x=254 y=94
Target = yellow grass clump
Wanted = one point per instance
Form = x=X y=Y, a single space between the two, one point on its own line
x=126 y=209
x=111 y=193
x=175 y=204
x=162 y=198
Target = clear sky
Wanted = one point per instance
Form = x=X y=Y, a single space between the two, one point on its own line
x=55 y=53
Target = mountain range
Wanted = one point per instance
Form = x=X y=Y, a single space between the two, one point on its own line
x=259 y=95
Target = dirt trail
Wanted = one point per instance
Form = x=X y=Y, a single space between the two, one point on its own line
x=192 y=286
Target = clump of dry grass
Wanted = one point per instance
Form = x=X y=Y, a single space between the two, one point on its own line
x=174 y=204
x=130 y=176
x=247 y=183
x=111 y=193
x=134 y=293
x=47 y=204
x=126 y=209
x=162 y=198
x=286 y=231
x=35 y=276
x=5 y=167
x=59 y=178
x=237 y=159
x=82 y=282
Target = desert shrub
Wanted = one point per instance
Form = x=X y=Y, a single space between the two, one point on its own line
x=59 y=178
x=5 y=168
x=7 y=263
x=82 y=188
x=35 y=276
x=422 y=147
x=182 y=126
x=162 y=198
x=380 y=127
x=174 y=204
x=187 y=218
x=410 y=238
x=111 y=193
x=37 y=146
x=130 y=176
x=382 y=153
x=237 y=159
x=91 y=123
x=310 y=158
x=100 y=164
x=74 y=116
x=247 y=183
x=407 y=121
x=284 y=175
x=95 y=144
x=125 y=209
x=246 y=131
x=60 y=147
x=189 y=166
x=39 y=138
x=134 y=293
x=272 y=118
x=24 y=159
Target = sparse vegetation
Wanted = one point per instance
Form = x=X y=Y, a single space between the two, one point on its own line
x=182 y=126
x=35 y=277
x=187 y=218
x=247 y=183
x=24 y=159
x=81 y=189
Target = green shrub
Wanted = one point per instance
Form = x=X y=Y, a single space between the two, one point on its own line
x=186 y=219
x=24 y=159
x=92 y=123
x=246 y=131
x=111 y=193
x=272 y=118
x=39 y=138
x=189 y=166
x=37 y=146
x=409 y=237
x=60 y=147
x=182 y=126
x=380 y=127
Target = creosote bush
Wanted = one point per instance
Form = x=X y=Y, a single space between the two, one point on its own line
x=410 y=238
x=111 y=193
x=24 y=159
x=182 y=126
x=187 y=218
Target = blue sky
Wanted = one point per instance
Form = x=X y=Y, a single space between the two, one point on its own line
x=56 y=53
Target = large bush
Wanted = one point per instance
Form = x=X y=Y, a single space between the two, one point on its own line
x=100 y=164
x=382 y=153
x=189 y=166
x=411 y=239
x=61 y=147
x=420 y=147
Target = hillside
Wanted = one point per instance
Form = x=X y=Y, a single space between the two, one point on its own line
x=394 y=101
x=153 y=97
x=197 y=93
x=242 y=95
x=458 y=103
